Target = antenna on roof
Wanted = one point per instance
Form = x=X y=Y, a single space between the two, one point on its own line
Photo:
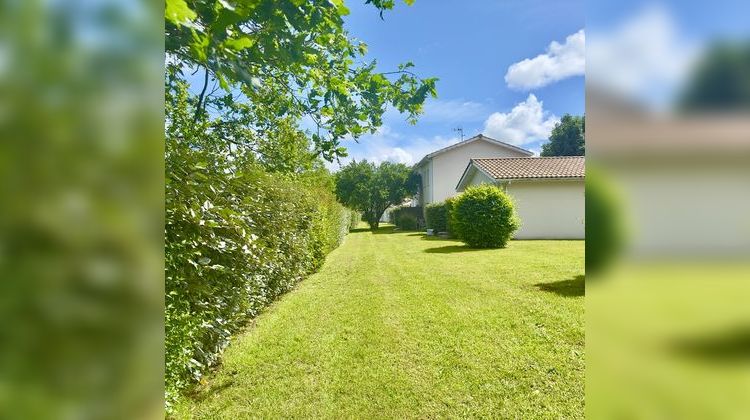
x=460 y=130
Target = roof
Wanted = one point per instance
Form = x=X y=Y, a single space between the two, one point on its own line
x=668 y=137
x=515 y=168
x=619 y=130
x=471 y=140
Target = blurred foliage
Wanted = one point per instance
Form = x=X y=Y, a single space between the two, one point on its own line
x=567 y=138
x=81 y=245
x=275 y=60
x=371 y=188
x=721 y=80
x=604 y=232
x=484 y=216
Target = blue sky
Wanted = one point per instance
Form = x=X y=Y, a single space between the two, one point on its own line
x=697 y=19
x=469 y=46
x=645 y=51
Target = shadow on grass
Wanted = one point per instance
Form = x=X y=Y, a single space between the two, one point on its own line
x=570 y=288
x=201 y=394
x=357 y=230
x=450 y=249
x=437 y=237
x=384 y=230
x=728 y=346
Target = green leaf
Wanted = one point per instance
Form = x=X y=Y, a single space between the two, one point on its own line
x=239 y=44
x=199 y=47
x=178 y=12
x=340 y=7
x=223 y=82
x=228 y=6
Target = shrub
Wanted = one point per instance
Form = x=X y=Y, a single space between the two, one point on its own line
x=393 y=215
x=354 y=218
x=436 y=217
x=234 y=243
x=484 y=217
x=406 y=218
x=407 y=221
x=449 y=204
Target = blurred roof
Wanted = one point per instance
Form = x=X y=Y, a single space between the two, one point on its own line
x=615 y=128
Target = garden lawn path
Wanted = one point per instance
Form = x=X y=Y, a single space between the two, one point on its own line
x=400 y=325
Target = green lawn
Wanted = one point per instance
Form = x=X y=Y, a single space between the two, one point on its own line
x=398 y=325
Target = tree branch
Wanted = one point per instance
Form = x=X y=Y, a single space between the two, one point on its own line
x=200 y=98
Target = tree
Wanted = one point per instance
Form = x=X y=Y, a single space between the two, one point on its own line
x=371 y=189
x=273 y=60
x=567 y=138
x=721 y=81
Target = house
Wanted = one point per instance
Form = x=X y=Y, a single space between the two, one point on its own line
x=549 y=192
x=439 y=170
x=681 y=180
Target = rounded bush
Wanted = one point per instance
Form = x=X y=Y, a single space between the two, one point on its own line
x=484 y=217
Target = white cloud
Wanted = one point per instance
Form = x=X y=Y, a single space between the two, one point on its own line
x=644 y=58
x=527 y=122
x=559 y=62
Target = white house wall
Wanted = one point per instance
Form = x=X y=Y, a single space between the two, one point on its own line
x=697 y=207
x=552 y=209
x=448 y=167
x=425 y=173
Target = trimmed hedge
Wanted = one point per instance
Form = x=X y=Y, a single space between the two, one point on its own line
x=484 y=217
x=234 y=243
x=406 y=218
x=450 y=203
x=438 y=216
x=355 y=218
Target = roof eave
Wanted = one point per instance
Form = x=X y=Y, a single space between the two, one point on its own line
x=541 y=178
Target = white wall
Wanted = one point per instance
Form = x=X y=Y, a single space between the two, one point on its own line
x=695 y=207
x=553 y=209
x=425 y=171
x=448 y=167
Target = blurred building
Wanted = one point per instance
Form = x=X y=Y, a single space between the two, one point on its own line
x=684 y=180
